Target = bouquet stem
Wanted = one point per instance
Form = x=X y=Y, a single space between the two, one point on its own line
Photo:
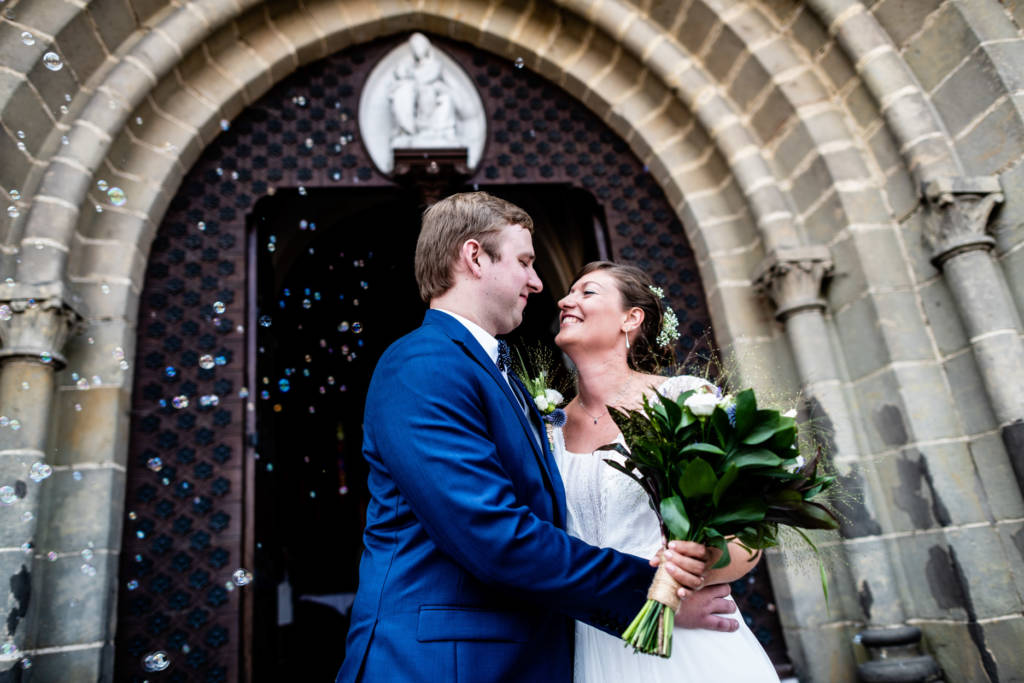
x=651 y=629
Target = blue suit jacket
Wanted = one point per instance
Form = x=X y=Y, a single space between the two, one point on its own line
x=467 y=574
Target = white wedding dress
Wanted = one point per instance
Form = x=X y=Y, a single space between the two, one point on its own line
x=608 y=509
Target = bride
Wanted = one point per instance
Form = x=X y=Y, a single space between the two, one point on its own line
x=609 y=326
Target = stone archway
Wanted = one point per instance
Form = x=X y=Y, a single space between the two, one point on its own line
x=769 y=126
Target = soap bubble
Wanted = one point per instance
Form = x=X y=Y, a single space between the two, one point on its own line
x=52 y=61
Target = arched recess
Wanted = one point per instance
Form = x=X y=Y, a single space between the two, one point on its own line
x=755 y=146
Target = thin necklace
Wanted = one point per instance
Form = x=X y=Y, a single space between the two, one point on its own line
x=616 y=397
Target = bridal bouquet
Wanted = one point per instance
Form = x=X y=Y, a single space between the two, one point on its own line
x=716 y=469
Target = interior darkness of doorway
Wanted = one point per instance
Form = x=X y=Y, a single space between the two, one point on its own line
x=334 y=288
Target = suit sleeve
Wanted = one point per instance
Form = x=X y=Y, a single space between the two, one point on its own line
x=432 y=437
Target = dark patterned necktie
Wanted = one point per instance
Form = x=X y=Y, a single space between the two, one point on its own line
x=504 y=357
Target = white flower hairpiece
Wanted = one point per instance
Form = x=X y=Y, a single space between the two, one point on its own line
x=669 y=332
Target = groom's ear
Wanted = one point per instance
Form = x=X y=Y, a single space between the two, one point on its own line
x=469 y=257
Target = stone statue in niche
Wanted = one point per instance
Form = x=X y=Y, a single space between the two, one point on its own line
x=418 y=97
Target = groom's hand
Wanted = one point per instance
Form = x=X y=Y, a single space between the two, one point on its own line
x=685 y=562
x=703 y=609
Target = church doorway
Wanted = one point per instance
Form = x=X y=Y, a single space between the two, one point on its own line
x=334 y=286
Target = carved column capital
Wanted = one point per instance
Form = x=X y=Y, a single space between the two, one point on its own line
x=36 y=320
x=792 y=278
x=958 y=215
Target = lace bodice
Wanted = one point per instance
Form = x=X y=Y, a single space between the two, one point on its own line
x=605 y=507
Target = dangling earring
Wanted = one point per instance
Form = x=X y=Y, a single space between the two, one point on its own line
x=627 y=341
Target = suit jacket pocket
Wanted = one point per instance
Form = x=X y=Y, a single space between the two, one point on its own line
x=455 y=622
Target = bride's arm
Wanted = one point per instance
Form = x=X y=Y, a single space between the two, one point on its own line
x=740 y=562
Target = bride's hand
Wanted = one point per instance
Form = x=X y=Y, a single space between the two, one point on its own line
x=685 y=562
x=704 y=609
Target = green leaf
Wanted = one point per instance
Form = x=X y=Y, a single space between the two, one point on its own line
x=722 y=544
x=673 y=413
x=756 y=458
x=698 y=479
x=746 y=405
x=724 y=483
x=673 y=513
x=747 y=511
x=702 y=448
x=764 y=425
x=816 y=516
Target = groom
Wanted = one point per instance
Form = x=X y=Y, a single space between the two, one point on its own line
x=467 y=573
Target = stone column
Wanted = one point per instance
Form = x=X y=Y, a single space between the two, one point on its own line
x=793 y=279
x=956 y=233
x=35 y=322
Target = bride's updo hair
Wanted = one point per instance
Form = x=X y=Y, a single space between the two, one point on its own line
x=635 y=287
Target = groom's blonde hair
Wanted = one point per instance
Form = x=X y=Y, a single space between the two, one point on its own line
x=446 y=227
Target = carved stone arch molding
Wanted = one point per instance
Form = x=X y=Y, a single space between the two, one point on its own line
x=759 y=146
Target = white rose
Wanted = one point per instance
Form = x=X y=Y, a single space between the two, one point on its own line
x=790 y=413
x=554 y=398
x=542 y=402
x=701 y=404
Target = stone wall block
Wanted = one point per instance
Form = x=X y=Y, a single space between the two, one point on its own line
x=1001 y=490
x=748 y=82
x=56 y=221
x=935 y=52
x=947 y=471
x=591 y=62
x=953 y=650
x=903 y=19
x=26 y=379
x=279 y=55
x=628 y=112
x=930 y=411
x=14 y=54
x=121 y=259
x=809 y=187
x=81 y=46
x=1006 y=223
x=71 y=665
x=729 y=47
x=902 y=327
x=76 y=609
x=14 y=528
x=665 y=13
x=769 y=118
x=883 y=416
x=1013 y=268
x=930 y=582
x=983 y=561
x=1012 y=536
x=98 y=356
x=16 y=166
x=919 y=258
x=108 y=300
x=301 y=33
x=247 y=70
x=971 y=89
x=91 y=427
x=122 y=227
x=965 y=379
x=332 y=19
x=864 y=343
x=114 y=20
x=25 y=112
x=53 y=85
x=860 y=104
x=864 y=206
x=746 y=313
x=996 y=141
x=792 y=147
x=698 y=26
x=82 y=511
x=494 y=36
x=746 y=358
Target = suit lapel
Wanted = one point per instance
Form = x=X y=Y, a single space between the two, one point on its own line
x=541 y=452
